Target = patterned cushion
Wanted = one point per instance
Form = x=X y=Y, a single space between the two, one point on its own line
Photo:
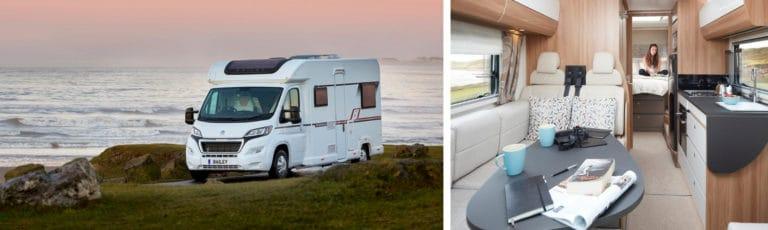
x=556 y=111
x=597 y=113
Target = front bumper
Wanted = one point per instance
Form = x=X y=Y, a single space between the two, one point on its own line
x=250 y=157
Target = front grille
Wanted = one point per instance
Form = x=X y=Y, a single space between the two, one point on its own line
x=221 y=166
x=220 y=147
x=219 y=155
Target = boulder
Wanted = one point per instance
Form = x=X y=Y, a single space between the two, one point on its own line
x=175 y=169
x=141 y=170
x=110 y=164
x=23 y=169
x=411 y=151
x=73 y=184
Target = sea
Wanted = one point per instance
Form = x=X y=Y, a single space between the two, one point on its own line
x=52 y=115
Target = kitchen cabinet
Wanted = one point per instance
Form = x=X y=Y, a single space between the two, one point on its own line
x=725 y=170
x=720 y=18
x=538 y=17
x=694 y=154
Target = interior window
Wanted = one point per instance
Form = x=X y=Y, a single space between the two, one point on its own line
x=752 y=55
x=368 y=95
x=321 y=96
x=473 y=77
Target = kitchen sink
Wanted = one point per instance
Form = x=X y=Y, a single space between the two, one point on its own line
x=745 y=106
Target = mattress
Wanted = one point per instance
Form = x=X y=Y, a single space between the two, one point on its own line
x=650 y=85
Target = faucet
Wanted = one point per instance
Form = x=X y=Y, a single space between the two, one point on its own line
x=755 y=95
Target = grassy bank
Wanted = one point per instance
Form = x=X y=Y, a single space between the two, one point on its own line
x=382 y=193
x=468 y=92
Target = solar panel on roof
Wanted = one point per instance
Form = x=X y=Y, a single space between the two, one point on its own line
x=254 y=66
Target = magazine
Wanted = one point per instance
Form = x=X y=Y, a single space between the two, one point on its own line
x=579 y=211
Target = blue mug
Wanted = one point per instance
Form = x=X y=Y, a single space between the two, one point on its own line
x=546 y=135
x=514 y=159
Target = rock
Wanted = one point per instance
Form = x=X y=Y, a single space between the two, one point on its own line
x=175 y=169
x=23 y=169
x=141 y=170
x=73 y=184
x=110 y=164
x=411 y=151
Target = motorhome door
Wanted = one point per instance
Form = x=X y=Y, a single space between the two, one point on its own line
x=342 y=113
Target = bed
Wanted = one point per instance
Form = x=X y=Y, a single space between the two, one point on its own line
x=654 y=85
x=657 y=85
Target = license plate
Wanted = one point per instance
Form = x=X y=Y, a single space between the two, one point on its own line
x=219 y=161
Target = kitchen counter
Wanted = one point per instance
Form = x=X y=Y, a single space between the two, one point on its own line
x=708 y=106
x=734 y=139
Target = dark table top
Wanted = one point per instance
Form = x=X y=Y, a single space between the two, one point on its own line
x=486 y=209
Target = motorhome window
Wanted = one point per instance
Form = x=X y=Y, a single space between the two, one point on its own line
x=321 y=96
x=473 y=77
x=292 y=100
x=368 y=95
x=238 y=104
x=752 y=54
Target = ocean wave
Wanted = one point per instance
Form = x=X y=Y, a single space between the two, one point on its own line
x=10 y=132
x=47 y=109
x=93 y=122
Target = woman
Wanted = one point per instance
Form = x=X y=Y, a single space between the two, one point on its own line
x=651 y=63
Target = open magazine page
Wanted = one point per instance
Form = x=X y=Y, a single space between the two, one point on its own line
x=579 y=211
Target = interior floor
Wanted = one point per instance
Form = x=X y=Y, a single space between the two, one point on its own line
x=667 y=203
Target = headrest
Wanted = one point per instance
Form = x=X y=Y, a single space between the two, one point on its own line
x=602 y=63
x=548 y=62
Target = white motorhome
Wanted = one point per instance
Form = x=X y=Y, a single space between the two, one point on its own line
x=281 y=113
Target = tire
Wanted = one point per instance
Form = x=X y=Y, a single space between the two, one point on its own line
x=199 y=176
x=364 y=155
x=279 y=167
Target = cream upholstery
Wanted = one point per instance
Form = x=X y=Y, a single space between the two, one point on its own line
x=514 y=122
x=603 y=71
x=547 y=70
x=602 y=63
x=475 y=140
x=605 y=81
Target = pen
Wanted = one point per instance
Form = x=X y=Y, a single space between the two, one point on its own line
x=564 y=170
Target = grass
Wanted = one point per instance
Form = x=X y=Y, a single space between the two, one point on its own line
x=468 y=92
x=382 y=193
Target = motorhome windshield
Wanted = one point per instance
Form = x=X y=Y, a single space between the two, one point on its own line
x=239 y=104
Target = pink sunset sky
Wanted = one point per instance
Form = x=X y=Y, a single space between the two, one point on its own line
x=197 y=33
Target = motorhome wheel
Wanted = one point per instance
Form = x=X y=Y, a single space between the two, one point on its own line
x=199 y=176
x=363 y=155
x=279 y=165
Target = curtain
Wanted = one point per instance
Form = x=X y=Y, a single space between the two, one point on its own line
x=512 y=42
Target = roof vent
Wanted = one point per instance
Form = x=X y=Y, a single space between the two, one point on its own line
x=254 y=66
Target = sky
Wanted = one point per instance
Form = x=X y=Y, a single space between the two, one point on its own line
x=176 y=33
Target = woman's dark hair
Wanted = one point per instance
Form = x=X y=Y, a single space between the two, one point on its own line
x=652 y=59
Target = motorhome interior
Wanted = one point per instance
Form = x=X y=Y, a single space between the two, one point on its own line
x=281 y=113
x=681 y=86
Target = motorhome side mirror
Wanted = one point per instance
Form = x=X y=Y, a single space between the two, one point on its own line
x=290 y=115
x=189 y=116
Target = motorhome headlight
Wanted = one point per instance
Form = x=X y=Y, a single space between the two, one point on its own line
x=260 y=132
x=196 y=132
